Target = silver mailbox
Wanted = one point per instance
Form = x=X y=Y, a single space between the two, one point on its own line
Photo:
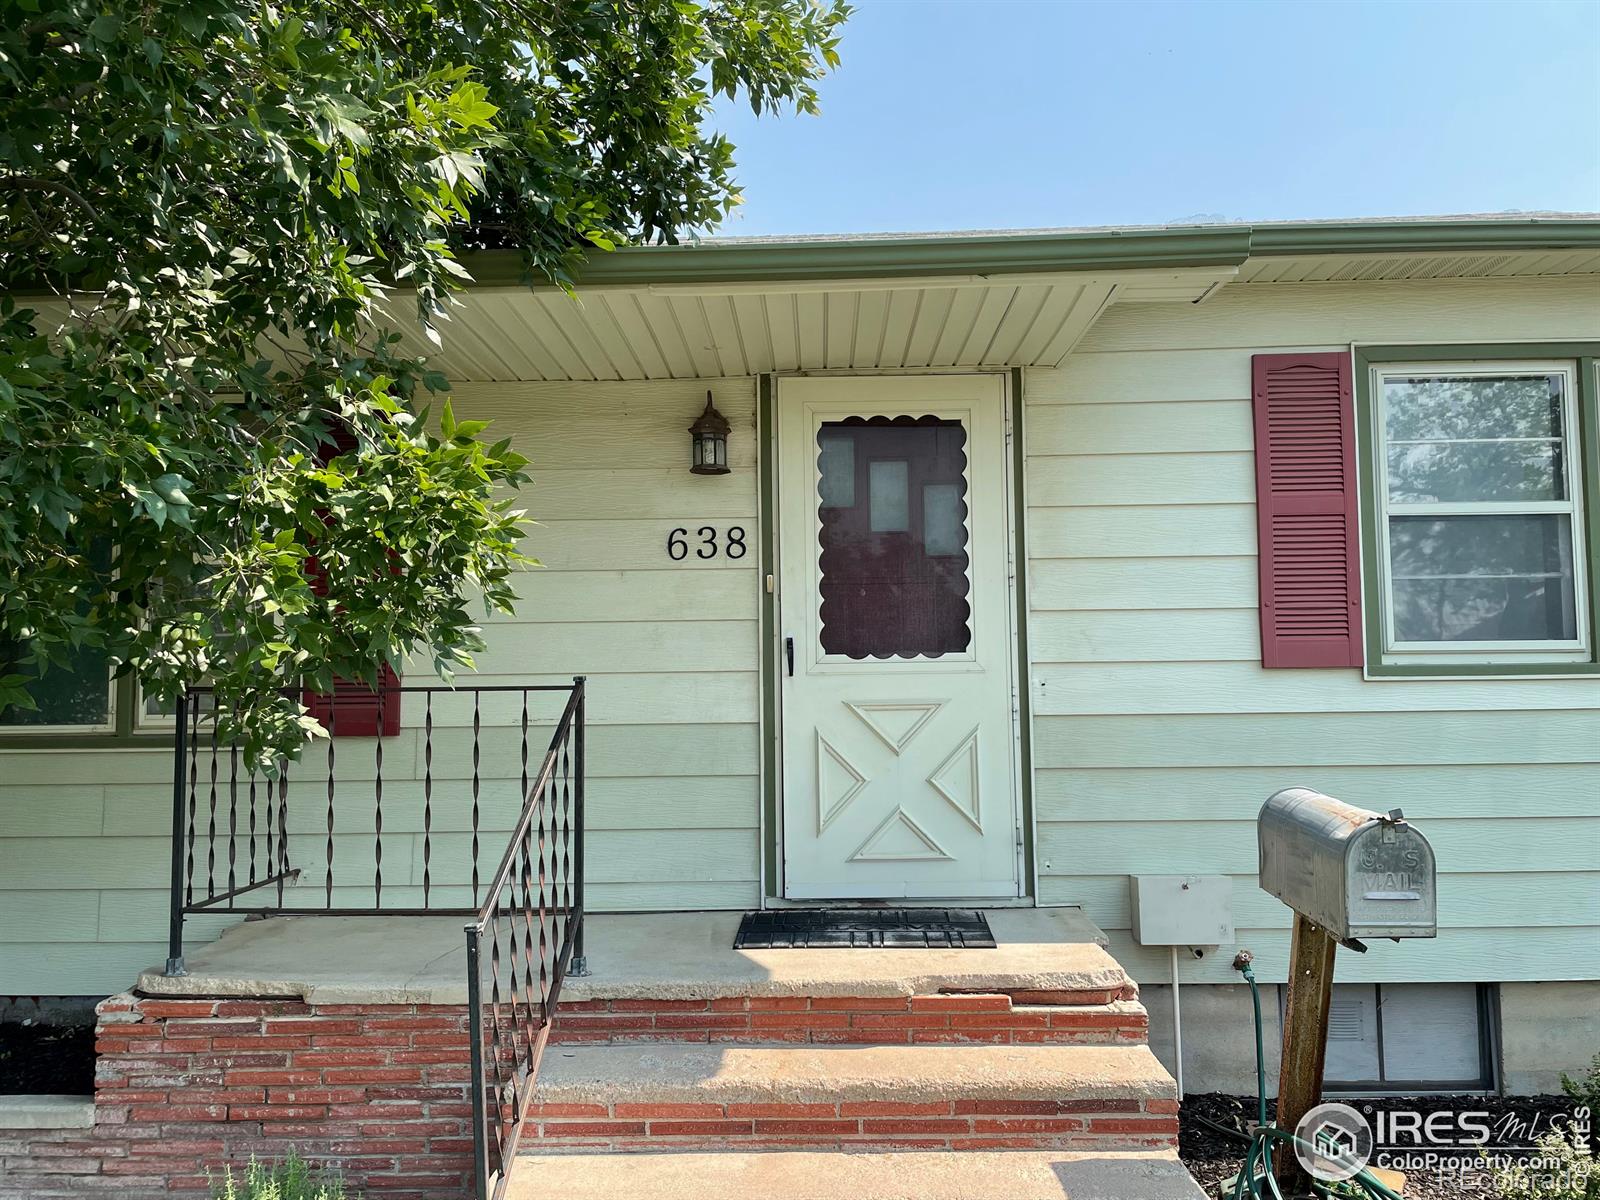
x=1356 y=873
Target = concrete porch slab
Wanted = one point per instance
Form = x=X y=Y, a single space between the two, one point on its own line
x=872 y=1175
x=422 y=960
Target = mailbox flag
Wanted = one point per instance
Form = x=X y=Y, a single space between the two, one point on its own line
x=1306 y=510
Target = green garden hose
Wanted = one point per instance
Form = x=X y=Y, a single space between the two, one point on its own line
x=1255 y=1179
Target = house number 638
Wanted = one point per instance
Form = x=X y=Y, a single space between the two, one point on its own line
x=707 y=546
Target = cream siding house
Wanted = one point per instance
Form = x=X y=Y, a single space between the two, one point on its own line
x=1099 y=710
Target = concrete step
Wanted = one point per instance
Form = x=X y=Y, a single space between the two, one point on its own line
x=870 y=1175
x=690 y=956
x=927 y=1096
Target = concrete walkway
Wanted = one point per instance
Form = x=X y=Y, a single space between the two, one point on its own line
x=872 y=1175
x=422 y=960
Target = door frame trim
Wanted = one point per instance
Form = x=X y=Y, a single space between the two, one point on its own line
x=771 y=832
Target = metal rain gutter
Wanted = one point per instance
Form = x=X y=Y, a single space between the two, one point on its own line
x=979 y=256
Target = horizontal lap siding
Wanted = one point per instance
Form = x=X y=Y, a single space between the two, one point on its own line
x=1157 y=735
x=669 y=648
x=84 y=862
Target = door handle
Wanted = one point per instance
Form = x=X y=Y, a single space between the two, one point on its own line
x=788 y=653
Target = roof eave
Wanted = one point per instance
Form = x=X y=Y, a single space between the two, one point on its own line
x=1424 y=237
x=889 y=258
x=1039 y=253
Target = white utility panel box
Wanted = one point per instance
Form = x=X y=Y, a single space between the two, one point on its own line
x=1182 y=910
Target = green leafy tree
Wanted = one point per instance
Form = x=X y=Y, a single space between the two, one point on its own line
x=215 y=460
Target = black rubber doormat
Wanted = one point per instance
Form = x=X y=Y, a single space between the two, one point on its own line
x=865 y=929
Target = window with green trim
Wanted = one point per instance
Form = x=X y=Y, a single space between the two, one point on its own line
x=77 y=696
x=74 y=703
x=73 y=693
x=1477 y=474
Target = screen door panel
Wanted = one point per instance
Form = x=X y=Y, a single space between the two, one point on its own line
x=898 y=770
x=892 y=538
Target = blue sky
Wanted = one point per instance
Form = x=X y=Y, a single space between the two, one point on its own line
x=965 y=114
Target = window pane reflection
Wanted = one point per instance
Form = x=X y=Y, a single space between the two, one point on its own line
x=893 y=540
x=1483 y=579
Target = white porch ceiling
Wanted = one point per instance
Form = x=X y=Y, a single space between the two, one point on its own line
x=688 y=332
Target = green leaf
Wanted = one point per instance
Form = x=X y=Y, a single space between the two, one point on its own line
x=260 y=180
x=171 y=489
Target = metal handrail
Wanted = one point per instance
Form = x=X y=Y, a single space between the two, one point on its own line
x=538 y=883
x=230 y=825
x=506 y=1054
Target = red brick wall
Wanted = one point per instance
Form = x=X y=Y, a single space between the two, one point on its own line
x=970 y=1124
x=1083 y=1018
x=183 y=1087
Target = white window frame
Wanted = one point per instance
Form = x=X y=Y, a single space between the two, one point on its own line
x=1469 y=653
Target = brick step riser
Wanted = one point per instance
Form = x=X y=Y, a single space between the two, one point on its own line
x=889 y=1124
x=963 y=1018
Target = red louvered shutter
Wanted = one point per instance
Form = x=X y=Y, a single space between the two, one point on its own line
x=1306 y=510
x=352 y=709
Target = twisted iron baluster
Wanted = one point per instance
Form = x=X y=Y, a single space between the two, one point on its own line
x=522 y=795
x=516 y=970
x=194 y=796
x=377 y=814
x=211 y=828
x=327 y=886
x=544 y=905
x=494 y=1010
x=427 y=801
x=524 y=879
x=233 y=813
x=566 y=837
x=477 y=725
x=530 y=997
x=253 y=824
x=283 y=825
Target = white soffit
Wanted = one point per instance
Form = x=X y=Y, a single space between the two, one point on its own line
x=1355 y=268
x=721 y=330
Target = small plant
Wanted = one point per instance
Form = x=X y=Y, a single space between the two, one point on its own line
x=292 y=1179
x=1586 y=1091
x=1561 y=1166
x=1556 y=1170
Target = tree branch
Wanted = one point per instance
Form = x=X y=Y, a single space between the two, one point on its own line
x=31 y=183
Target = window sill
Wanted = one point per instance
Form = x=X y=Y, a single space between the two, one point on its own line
x=1500 y=670
x=21 y=740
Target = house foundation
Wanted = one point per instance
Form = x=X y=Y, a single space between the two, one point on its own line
x=185 y=1088
x=676 y=1043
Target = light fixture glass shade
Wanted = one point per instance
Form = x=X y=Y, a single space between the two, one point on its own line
x=708 y=442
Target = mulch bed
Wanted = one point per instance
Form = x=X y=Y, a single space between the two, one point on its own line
x=40 y=1059
x=1213 y=1157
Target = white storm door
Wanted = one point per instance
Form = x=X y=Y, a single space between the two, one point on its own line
x=898 y=751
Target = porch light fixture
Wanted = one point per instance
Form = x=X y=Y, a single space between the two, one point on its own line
x=708 y=442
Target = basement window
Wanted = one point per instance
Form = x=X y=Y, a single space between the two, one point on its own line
x=1409 y=1037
